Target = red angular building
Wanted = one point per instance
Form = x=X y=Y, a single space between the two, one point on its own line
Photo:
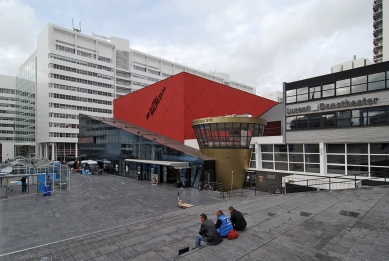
x=168 y=107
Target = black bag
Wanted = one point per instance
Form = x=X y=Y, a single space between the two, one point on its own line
x=183 y=250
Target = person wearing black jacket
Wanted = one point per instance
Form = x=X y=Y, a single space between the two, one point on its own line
x=207 y=232
x=24 y=183
x=237 y=219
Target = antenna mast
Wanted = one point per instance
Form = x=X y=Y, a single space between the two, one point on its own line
x=76 y=29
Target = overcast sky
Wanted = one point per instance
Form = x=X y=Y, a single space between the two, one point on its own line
x=261 y=43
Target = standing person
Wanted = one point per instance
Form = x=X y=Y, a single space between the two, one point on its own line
x=237 y=219
x=24 y=183
x=223 y=224
x=207 y=233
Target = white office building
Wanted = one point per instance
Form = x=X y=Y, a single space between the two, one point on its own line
x=72 y=73
x=381 y=30
x=7 y=116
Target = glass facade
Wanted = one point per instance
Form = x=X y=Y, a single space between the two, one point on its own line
x=347 y=118
x=365 y=83
x=99 y=140
x=25 y=104
x=227 y=134
x=291 y=157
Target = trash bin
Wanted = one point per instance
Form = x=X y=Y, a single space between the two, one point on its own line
x=178 y=184
x=200 y=185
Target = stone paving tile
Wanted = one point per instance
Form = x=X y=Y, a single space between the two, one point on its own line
x=159 y=230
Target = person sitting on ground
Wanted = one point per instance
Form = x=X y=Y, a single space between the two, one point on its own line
x=237 y=219
x=207 y=233
x=223 y=224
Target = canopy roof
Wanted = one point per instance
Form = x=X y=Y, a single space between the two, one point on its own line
x=174 y=164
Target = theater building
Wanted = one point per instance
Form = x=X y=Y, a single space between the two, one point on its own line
x=153 y=130
x=334 y=124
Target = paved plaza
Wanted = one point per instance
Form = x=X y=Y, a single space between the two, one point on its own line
x=117 y=218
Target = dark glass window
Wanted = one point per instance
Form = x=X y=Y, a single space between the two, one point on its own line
x=296 y=148
x=280 y=148
x=379 y=172
x=281 y=165
x=311 y=148
x=315 y=168
x=357 y=170
x=267 y=156
x=329 y=120
x=379 y=160
x=378 y=116
x=296 y=167
x=357 y=160
x=379 y=148
x=359 y=117
x=267 y=165
x=281 y=157
x=296 y=157
x=338 y=159
x=357 y=148
x=336 y=169
x=343 y=119
x=335 y=148
x=267 y=148
x=312 y=158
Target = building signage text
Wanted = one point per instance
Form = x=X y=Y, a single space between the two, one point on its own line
x=154 y=104
x=210 y=120
x=334 y=105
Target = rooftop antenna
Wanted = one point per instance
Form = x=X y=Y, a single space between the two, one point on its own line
x=76 y=29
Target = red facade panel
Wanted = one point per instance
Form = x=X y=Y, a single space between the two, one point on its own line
x=168 y=107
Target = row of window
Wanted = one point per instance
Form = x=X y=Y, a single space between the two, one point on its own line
x=82 y=53
x=350 y=159
x=144 y=77
x=7 y=98
x=7 y=112
x=79 y=89
x=78 y=108
x=5 y=90
x=348 y=118
x=63 y=115
x=372 y=82
x=63 y=125
x=227 y=134
x=8 y=105
x=139 y=68
x=63 y=135
x=79 y=80
x=78 y=98
x=6 y=118
x=6 y=125
x=80 y=62
x=79 y=71
x=166 y=75
x=141 y=84
x=6 y=131
x=154 y=72
x=6 y=138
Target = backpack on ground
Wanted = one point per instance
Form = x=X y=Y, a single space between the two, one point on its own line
x=232 y=234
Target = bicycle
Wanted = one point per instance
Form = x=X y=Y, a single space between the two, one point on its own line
x=208 y=186
x=276 y=190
